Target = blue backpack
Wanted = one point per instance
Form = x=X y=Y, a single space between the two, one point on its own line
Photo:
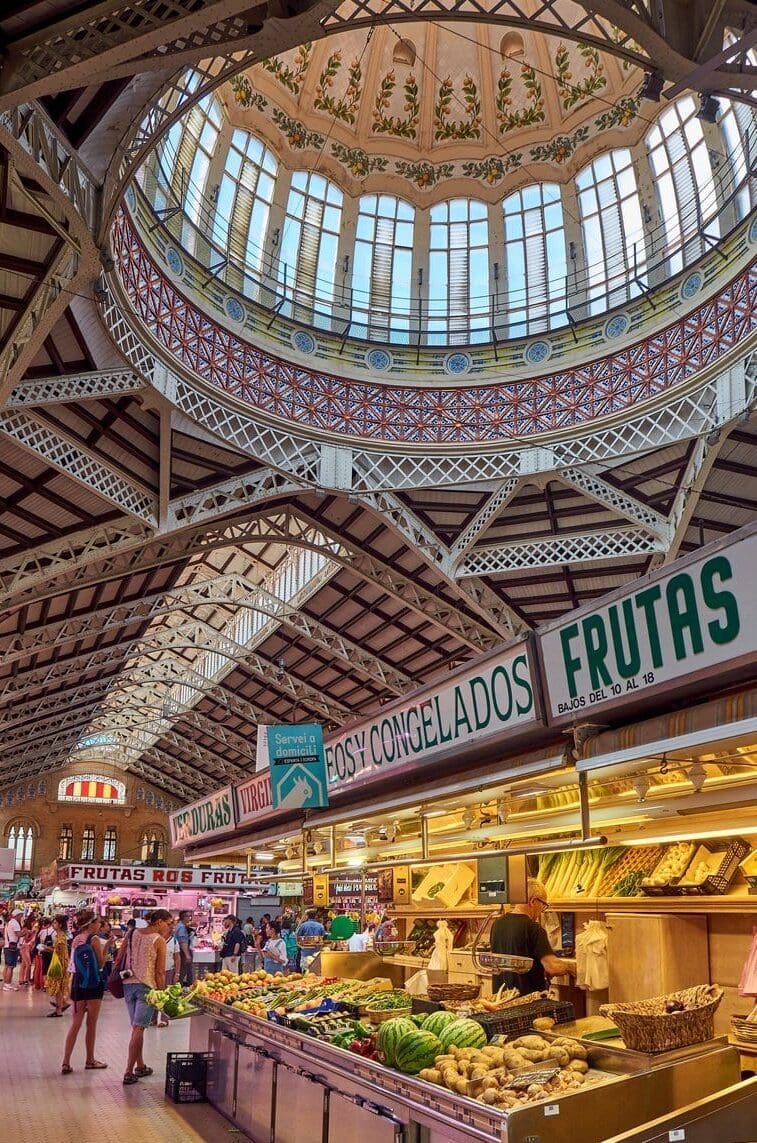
x=88 y=974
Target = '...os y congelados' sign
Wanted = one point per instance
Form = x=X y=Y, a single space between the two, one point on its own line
x=695 y=619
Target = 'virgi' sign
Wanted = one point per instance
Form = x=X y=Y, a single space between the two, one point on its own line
x=697 y=615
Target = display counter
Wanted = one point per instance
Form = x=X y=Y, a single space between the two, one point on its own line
x=355 y=966
x=269 y=1080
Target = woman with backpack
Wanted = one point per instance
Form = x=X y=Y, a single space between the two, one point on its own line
x=87 y=987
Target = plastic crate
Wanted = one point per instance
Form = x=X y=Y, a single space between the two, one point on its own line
x=720 y=881
x=187 y=1076
x=514 y=1021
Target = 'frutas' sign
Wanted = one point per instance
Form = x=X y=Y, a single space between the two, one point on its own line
x=694 y=617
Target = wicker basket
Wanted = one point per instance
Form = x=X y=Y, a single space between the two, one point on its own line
x=514 y=1021
x=454 y=992
x=719 y=881
x=379 y=1015
x=646 y=1027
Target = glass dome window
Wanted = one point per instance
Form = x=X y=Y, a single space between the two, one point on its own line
x=736 y=142
x=382 y=268
x=309 y=246
x=613 y=232
x=243 y=199
x=682 y=170
x=458 y=273
x=535 y=260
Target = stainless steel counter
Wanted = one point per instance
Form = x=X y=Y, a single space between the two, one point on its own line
x=274 y=1083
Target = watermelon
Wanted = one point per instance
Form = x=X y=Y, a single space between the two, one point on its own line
x=463 y=1034
x=438 y=1020
x=419 y=1019
x=389 y=1035
x=416 y=1051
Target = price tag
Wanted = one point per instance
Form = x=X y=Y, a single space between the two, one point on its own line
x=552 y=1109
x=677 y=1135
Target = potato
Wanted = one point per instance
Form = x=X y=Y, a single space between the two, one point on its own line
x=577 y=1051
x=544 y=1023
x=489 y=1095
x=559 y=1055
x=461 y=1087
x=580 y=1066
x=479 y=1073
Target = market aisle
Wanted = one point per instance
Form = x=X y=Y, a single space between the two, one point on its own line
x=40 y=1103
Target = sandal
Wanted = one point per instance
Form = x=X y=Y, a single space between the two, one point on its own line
x=94 y=1066
x=142 y=1072
x=129 y=1079
x=66 y=1070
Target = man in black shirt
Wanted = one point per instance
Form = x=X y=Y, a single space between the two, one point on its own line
x=519 y=933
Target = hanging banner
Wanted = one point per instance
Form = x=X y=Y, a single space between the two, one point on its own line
x=695 y=620
x=207 y=818
x=153 y=877
x=253 y=800
x=297 y=766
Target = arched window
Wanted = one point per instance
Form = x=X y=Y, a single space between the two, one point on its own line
x=92 y=788
x=535 y=262
x=185 y=154
x=613 y=232
x=152 y=845
x=88 y=843
x=382 y=267
x=243 y=203
x=66 y=843
x=736 y=144
x=686 y=193
x=308 y=245
x=458 y=272
x=110 y=842
x=21 y=835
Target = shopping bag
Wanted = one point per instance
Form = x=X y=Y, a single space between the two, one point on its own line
x=55 y=971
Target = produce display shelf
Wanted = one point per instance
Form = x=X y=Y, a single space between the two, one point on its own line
x=739 y=902
x=407 y=961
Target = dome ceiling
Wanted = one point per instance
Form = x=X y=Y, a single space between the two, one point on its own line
x=427 y=103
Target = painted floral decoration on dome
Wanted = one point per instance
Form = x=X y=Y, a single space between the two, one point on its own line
x=493 y=168
x=424 y=175
x=560 y=148
x=296 y=133
x=244 y=95
x=358 y=162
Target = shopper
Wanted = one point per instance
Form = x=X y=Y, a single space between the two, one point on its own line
x=173 y=971
x=25 y=946
x=520 y=933
x=11 y=950
x=310 y=927
x=145 y=958
x=342 y=928
x=59 y=981
x=185 y=951
x=248 y=928
x=232 y=945
x=45 y=942
x=274 y=949
x=87 y=987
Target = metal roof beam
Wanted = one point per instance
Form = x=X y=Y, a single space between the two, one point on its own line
x=521 y=555
x=587 y=481
x=66 y=454
x=91 y=386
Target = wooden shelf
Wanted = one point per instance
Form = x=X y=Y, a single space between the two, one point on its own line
x=730 y=903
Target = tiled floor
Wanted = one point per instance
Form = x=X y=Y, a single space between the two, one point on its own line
x=37 y=1102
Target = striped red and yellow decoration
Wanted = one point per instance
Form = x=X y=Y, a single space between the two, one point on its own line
x=99 y=789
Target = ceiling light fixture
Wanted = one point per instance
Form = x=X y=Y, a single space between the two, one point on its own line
x=652 y=85
x=264 y=855
x=709 y=108
x=697 y=777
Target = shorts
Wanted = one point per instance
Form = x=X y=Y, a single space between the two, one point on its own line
x=11 y=957
x=140 y=1012
x=79 y=994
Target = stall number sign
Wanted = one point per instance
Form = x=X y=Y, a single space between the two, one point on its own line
x=495 y=698
x=691 y=619
x=297 y=766
x=209 y=816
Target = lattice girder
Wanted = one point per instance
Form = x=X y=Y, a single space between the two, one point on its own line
x=67 y=455
x=92 y=386
x=621 y=503
x=520 y=555
x=485 y=516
